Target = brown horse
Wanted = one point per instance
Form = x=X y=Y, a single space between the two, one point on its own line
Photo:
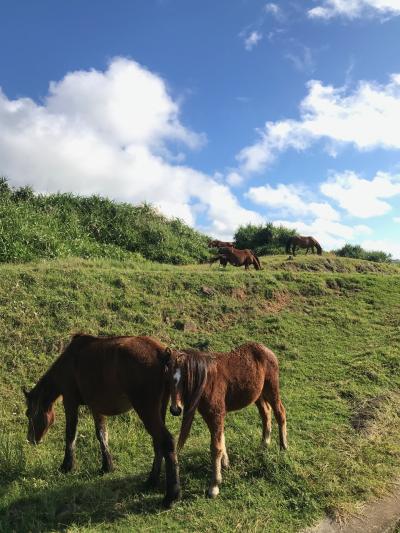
x=110 y=375
x=302 y=242
x=220 y=244
x=216 y=383
x=237 y=258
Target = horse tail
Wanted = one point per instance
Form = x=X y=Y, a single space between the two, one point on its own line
x=288 y=245
x=195 y=371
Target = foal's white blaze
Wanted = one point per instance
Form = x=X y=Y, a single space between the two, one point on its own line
x=177 y=376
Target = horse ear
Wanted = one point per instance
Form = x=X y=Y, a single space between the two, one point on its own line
x=165 y=356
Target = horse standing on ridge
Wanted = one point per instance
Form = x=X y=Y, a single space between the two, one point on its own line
x=220 y=244
x=111 y=375
x=215 y=383
x=302 y=242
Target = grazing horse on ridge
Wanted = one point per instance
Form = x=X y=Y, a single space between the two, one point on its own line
x=111 y=375
x=237 y=258
x=215 y=383
x=302 y=242
x=220 y=244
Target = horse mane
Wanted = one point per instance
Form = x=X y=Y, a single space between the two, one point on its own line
x=194 y=368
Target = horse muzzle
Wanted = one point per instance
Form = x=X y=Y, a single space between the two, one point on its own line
x=175 y=410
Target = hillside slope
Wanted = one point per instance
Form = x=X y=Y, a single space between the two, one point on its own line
x=335 y=327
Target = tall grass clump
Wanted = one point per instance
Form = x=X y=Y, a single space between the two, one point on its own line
x=264 y=239
x=35 y=226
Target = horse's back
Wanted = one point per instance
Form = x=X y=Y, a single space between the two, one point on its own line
x=242 y=372
x=111 y=371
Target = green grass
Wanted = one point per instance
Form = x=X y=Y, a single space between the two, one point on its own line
x=63 y=225
x=333 y=323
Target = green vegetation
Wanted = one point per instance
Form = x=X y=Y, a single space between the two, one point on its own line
x=334 y=324
x=357 y=252
x=63 y=225
x=264 y=239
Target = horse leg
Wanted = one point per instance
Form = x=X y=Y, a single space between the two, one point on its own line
x=265 y=413
x=225 y=458
x=271 y=395
x=218 y=451
x=163 y=441
x=308 y=248
x=71 y=422
x=102 y=437
x=214 y=259
x=154 y=475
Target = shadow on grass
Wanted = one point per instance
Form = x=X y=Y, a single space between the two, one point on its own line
x=82 y=503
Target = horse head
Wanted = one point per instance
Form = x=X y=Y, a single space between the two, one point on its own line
x=40 y=415
x=186 y=373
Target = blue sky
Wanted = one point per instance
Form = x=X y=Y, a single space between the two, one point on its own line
x=219 y=112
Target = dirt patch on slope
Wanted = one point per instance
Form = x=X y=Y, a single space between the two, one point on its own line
x=277 y=303
x=379 y=516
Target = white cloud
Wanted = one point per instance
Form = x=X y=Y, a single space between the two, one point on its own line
x=360 y=197
x=234 y=179
x=252 y=40
x=354 y=8
x=329 y=233
x=289 y=199
x=110 y=133
x=396 y=219
x=273 y=9
x=390 y=247
x=302 y=60
x=367 y=118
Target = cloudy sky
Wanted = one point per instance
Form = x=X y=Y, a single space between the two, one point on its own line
x=219 y=112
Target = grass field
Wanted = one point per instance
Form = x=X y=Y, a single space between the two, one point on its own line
x=335 y=327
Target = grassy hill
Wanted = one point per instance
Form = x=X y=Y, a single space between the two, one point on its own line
x=63 y=225
x=335 y=326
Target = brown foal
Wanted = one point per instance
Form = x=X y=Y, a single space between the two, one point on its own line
x=215 y=383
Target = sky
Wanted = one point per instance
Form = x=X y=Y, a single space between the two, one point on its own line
x=219 y=112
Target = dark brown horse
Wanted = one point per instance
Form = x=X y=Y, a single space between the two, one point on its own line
x=237 y=258
x=216 y=383
x=220 y=244
x=302 y=242
x=110 y=375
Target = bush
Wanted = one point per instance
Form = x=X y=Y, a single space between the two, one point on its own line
x=355 y=251
x=263 y=239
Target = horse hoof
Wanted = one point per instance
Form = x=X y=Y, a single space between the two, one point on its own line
x=168 y=501
x=67 y=467
x=151 y=482
x=107 y=469
x=213 y=491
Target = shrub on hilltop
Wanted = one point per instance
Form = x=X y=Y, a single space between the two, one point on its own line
x=355 y=251
x=264 y=239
